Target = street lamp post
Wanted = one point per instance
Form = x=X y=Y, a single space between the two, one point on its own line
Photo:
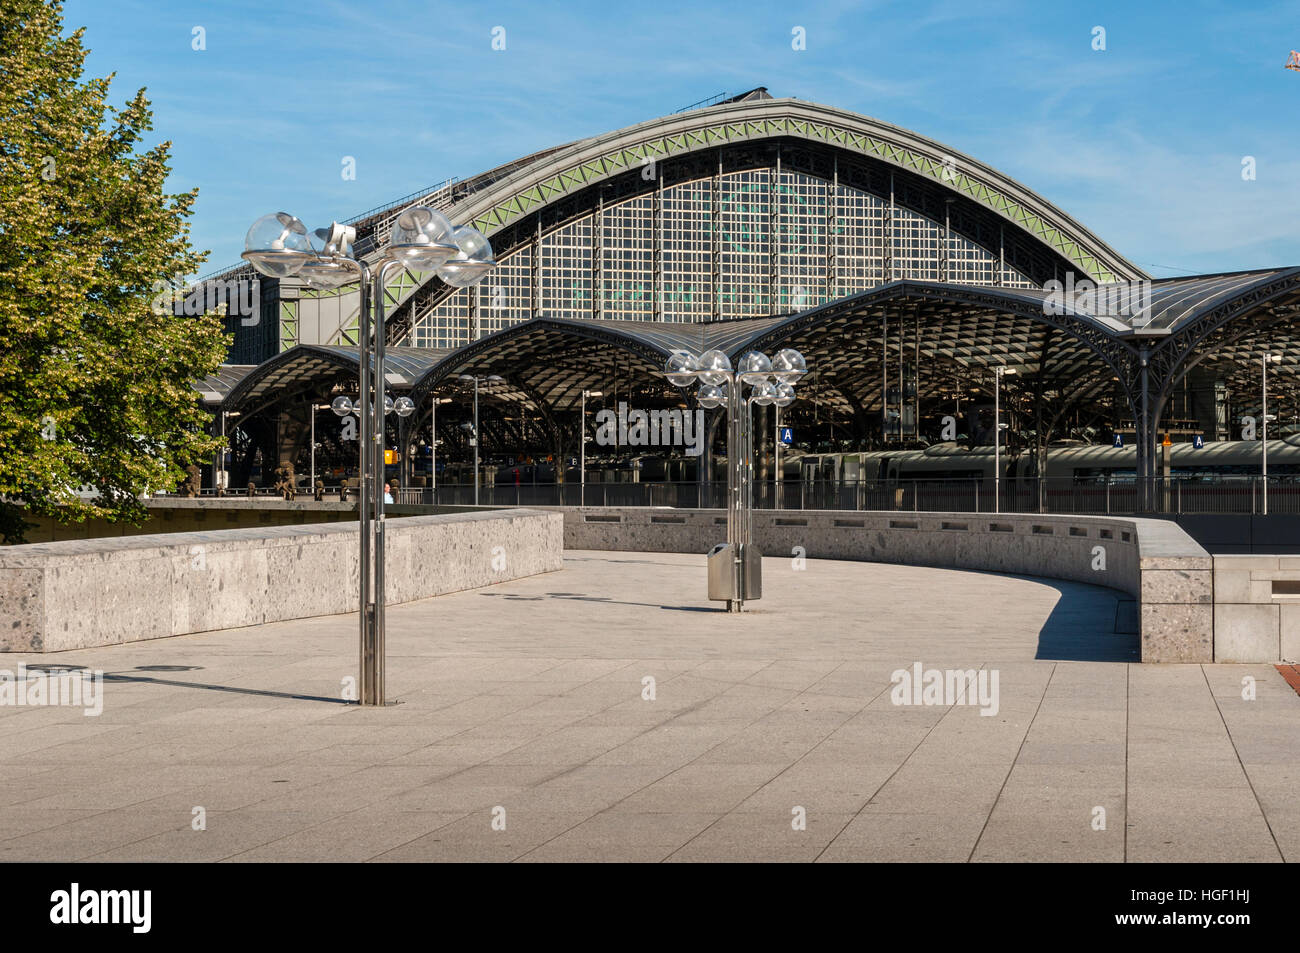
x=1268 y=359
x=220 y=478
x=474 y=438
x=582 y=443
x=278 y=246
x=736 y=574
x=476 y=441
x=997 y=434
x=225 y=474
x=776 y=457
x=311 y=479
x=433 y=442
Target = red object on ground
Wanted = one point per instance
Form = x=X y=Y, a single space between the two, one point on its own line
x=1292 y=675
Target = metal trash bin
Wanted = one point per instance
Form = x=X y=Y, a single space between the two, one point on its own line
x=722 y=572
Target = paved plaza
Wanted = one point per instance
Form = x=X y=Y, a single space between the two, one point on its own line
x=610 y=712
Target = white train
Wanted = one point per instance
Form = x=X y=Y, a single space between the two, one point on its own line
x=1064 y=463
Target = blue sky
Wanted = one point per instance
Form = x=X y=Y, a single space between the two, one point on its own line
x=1142 y=142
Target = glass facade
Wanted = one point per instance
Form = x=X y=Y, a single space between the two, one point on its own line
x=627 y=248
x=744 y=212
x=917 y=243
x=802 y=216
x=447 y=325
x=785 y=242
x=968 y=264
x=566 y=270
x=506 y=296
x=687 y=212
x=859 y=241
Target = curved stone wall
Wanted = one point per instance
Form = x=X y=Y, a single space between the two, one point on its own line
x=1165 y=571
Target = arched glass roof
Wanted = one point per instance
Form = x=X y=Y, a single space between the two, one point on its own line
x=555 y=359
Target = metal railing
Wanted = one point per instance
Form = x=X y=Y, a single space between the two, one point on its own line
x=1173 y=496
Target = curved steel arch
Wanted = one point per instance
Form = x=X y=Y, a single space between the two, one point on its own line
x=305 y=354
x=1193 y=329
x=562 y=182
x=539 y=347
x=609 y=333
x=1099 y=337
x=631 y=149
x=404 y=362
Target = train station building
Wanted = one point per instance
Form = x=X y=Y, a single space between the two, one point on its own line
x=936 y=300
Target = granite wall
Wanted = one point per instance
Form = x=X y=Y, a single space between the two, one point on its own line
x=73 y=594
x=1256 y=608
x=1154 y=561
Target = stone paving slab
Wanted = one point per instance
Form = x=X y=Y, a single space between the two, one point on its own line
x=526 y=729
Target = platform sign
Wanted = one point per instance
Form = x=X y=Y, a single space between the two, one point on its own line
x=1119 y=440
x=1198 y=442
x=787 y=436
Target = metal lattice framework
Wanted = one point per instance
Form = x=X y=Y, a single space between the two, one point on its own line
x=945 y=334
x=628 y=150
x=518 y=204
x=851 y=342
x=949 y=335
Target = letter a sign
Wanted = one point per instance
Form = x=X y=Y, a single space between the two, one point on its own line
x=1119 y=440
x=787 y=436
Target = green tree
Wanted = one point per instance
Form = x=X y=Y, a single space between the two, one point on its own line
x=95 y=378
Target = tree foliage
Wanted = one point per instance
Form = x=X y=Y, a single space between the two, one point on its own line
x=95 y=384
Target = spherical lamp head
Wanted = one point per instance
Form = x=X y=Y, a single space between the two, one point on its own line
x=764 y=393
x=788 y=366
x=682 y=368
x=277 y=245
x=421 y=239
x=715 y=367
x=322 y=274
x=472 y=261
x=754 y=367
x=711 y=396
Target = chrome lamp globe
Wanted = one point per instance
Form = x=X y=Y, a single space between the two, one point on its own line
x=471 y=259
x=329 y=269
x=735 y=567
x=788 y=366
x=277 y=245
x=711 y=396
x=421 y=239
x=754 y=368
x=715 y=367
x=682 y=369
